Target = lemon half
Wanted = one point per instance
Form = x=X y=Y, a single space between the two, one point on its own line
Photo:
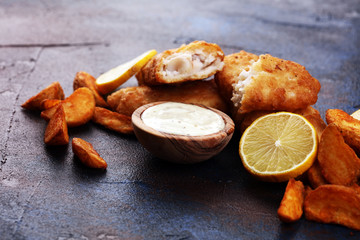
x=110 y=80
x=278 y=146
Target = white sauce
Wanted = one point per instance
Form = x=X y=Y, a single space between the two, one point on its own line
x=182 y=119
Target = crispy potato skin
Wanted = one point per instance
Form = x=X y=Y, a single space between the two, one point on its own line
x=339 y=163
x=56 y=132
x=348 y=126
x=84 y=79
x=291 y=206
x=152 y=73
x=333 y=204
x=317 y=122
x=79 y=108
x=87 y=154
x=112 y=120
x=53 y=91
x=127 y=100
x=49 y=103
x=315 y=176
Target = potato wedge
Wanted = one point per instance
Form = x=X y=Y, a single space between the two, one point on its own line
x=53 y=91
x=49 y=103
x=314 y=175
x=356 y=187
x=339 y=163
x=291 y=206
x=84 y=79
x=112 y=120
x=317 y=122
x=308 y=190
x=79 y=107
x=333 y=204
x=56 y=132
x=348 y=126
x=87 y=154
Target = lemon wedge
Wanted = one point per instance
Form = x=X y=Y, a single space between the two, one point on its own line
x=110 y=80
x=278 y=146
x=356 y=114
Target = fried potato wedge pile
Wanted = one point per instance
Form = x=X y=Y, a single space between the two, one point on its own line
x=75 y=110
x=334 y=175
x=79 y=107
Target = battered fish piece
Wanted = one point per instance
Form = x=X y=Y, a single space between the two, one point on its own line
x=195 y=61
x=127 y=100
x=268 y=83
x=234 y=64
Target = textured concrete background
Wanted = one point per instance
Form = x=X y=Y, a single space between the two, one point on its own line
x=47 y=194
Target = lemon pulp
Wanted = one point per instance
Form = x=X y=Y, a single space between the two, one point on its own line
x=279 y=146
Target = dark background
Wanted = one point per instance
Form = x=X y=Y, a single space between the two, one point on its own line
x=45 y=193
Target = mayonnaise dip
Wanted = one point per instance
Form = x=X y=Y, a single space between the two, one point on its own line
x=182 y=119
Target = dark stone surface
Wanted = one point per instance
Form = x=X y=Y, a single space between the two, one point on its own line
x=47 y=194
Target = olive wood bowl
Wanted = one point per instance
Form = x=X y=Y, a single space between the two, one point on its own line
x=181 y=148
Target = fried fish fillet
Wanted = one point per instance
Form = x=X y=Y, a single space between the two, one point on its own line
x=195 y=61
x=267 y=83
x=127 y=100
x=234 y=64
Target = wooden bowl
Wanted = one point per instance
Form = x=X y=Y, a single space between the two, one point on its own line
x=181 y=148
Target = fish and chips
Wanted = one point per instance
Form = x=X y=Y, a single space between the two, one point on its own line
x=247 y=86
